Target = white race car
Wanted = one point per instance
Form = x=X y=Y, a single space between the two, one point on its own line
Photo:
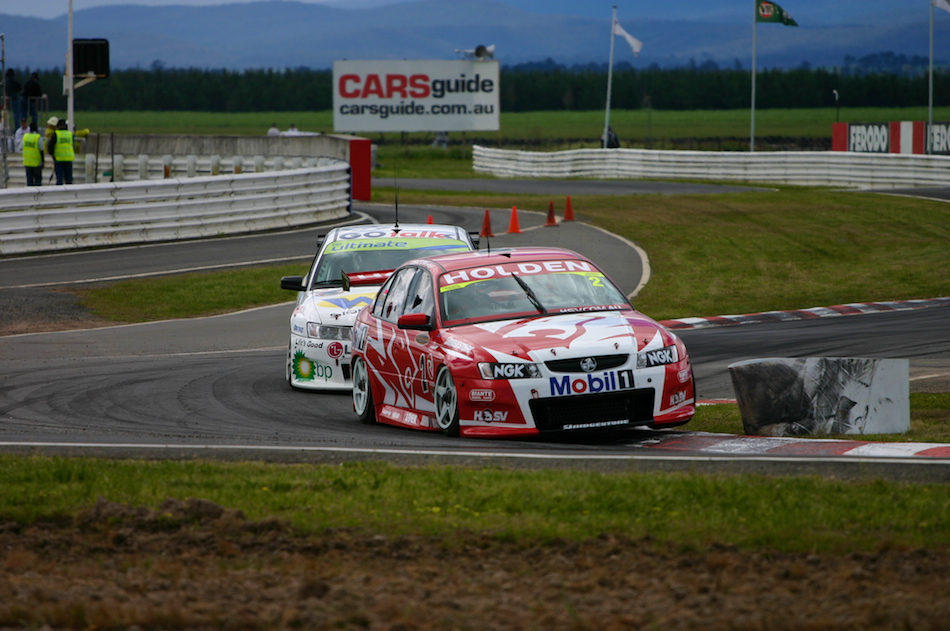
x=349 y=268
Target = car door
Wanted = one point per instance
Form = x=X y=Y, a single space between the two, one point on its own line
x=393 y=341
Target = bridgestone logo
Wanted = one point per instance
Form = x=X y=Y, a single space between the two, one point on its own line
x=595 y=425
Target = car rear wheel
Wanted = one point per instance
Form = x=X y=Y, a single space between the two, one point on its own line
x=446 y=403
x=363 y=393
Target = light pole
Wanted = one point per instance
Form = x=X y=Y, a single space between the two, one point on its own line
x=837 y=107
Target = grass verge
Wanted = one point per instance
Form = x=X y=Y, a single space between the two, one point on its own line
x=795 y=514
x=733 y=253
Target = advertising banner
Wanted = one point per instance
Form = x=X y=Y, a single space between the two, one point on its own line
x=869 y=137
x=421 y=95
x=940 y=138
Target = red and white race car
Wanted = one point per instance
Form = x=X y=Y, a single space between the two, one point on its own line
x=514 y=341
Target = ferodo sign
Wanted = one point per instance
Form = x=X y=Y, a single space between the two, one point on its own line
x=429 y=95
x=869 y=137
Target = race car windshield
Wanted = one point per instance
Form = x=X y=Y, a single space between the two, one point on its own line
x=507 y=294
x=371 y=255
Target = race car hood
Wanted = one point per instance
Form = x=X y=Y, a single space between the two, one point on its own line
x=561 y=336
x=335 y=306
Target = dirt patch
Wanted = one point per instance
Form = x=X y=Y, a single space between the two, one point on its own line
x=197 y=565
x=43 y=310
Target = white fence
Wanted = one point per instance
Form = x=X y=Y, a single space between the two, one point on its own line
x=93 y=169
x=48 y=218
x=820 y=168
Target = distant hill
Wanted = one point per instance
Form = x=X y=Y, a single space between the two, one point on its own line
x=283 y=34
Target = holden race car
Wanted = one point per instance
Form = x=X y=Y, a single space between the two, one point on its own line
x=515 y=341
x=344 y=277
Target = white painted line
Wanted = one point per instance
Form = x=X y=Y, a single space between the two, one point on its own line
x=185 y=270
x=933 y=376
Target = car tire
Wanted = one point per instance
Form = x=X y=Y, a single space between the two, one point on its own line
x=446 y=403
x=289 y=370
x=363 y=393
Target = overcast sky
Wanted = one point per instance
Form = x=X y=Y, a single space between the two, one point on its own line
x=54 y=8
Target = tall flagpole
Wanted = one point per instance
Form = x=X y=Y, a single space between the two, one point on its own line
x=754 y=20
x=930 y=92
x=610 y=76
x=70 y=87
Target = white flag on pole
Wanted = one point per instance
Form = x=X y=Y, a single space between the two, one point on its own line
x=636 y=45
x=941 y=4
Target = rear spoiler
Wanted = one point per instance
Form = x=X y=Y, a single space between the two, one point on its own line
x=366 y=278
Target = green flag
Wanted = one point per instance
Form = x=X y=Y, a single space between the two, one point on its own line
x=767 y=11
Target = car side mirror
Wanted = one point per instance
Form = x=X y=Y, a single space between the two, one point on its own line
x=414 y=321
x=293 y=283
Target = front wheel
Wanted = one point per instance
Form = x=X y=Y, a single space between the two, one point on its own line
x=363 y=393
x=446 y=403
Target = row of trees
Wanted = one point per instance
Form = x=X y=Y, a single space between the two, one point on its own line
x=522 y=89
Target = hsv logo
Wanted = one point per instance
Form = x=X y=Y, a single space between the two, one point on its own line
x=607 y=382
x=589 y=364
x=488 y=416
x=335 y=350
x=677 y=397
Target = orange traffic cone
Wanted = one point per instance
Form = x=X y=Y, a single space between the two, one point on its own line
x=486 y=225
x=513 y=227
x=568 y=210
x=552 y=220
x=430 y=217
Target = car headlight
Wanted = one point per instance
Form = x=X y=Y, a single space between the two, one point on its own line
x=658 y=357
x=492 y=370
x=324 y=332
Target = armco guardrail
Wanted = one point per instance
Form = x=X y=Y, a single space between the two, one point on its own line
x=819 y=168
x=76 y=216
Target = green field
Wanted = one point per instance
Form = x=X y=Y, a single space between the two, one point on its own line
x=798 y=514
x=576 y=129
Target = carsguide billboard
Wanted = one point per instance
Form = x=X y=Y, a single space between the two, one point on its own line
x=421 y=95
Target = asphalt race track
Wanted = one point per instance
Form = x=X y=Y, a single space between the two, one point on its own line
x=215 y=386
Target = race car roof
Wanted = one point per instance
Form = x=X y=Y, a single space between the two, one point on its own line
x=409 y=230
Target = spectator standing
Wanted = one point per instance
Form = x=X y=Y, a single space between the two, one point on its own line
x=33 y=94
x=61 y=148
x=33 y=156
x=15 y=94
x=274 y=130
x=613 y=142
x=21 y=131
x=51 y=126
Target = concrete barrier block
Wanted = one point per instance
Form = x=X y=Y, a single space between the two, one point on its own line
x=822 y=395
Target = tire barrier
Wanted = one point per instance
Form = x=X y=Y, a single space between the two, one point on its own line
x=812 y=168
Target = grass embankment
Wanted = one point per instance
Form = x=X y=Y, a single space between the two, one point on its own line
x=529 y=127
x=785 y=514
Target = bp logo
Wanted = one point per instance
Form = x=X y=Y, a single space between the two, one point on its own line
x=307 y=370
x=766 y=10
